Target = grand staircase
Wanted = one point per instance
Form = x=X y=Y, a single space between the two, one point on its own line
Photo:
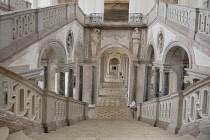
x=112 y=123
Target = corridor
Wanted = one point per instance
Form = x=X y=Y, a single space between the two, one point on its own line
x=112 y=100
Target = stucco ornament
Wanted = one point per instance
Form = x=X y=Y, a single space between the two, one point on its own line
x=160 y=41
x=95 y=39
x=136 y=42
x=70 y=42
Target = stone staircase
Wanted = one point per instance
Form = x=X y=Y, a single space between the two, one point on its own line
x=102 y=129
x=112 y=101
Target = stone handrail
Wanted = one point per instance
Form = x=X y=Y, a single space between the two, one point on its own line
x=180 y=110
x=28 y=26
x=204 y=22
x=15 y=4
x=191 y=22
x=162 y=112
x=23 y=98
x=152 y=15
x=196 y=102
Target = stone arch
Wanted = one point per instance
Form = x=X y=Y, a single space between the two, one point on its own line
x=183 y=46
x=57 y=47
x=123 y=48
x=148 y=53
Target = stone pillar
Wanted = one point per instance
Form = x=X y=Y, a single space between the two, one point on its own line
x=93 y=86
x=165 y=86
x=80 y=83
x=62 y=83
x=146 y=83
x=156 y=82
x=70 y=83
x=45 y=77
x=135 y=67
x=127 y=71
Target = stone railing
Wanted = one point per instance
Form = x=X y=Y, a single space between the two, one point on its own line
x=20 y=98
x=80 y=15
x=185 y=112
x=23 y=25
x=179 y=14
x=162 y=112
x=191 y=22
x=9 y=5
x=28 y=26
x=196 y=108
x=152 y=15
x=149 y=111
x=204 y=22
x=135 y=17
x=53 y=15
x=97 y=17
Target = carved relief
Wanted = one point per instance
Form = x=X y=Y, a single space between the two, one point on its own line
x=136 y=42
x=70 y=42
x=160 y=41
x=108 y=36
x=95 y=39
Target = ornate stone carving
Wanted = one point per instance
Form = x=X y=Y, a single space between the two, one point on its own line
x=70 y=42
x=136 y=42
x=160 y=41
x=95 y=39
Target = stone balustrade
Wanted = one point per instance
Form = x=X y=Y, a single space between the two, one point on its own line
x=180 y=14
x=21 y=98
x=149 y=111
x=10 y=5
x=196 y=108
x=28 y=26
x=4 y=1
x=191 y=22
x=53 y=15
x=181 y=112
x=204 y=22
x=152 y=14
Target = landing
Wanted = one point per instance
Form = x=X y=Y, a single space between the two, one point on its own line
x=109 y=129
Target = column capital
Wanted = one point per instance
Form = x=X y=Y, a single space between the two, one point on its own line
x=44 y=62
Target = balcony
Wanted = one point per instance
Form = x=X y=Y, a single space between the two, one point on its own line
x=116 y=17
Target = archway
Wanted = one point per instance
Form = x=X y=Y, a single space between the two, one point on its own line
x=51 y=56
x=149 y=74
x=177 y=59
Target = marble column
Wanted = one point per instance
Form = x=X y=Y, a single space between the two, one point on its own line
x=93 y=85
x=62 y=83
x=165 y=87
x=134 y=82
x=45 y=77
x=70 y=83
x=156 y=82
x=146 y=83
x=80 y=83
x=127 y=71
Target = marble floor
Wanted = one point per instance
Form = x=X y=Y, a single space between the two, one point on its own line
x=112 y=101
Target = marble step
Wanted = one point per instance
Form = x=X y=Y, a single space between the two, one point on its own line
x=4 y=132
x=18 y=136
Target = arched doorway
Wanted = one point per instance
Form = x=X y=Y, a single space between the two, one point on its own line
x=178 y=59
x=52 y=56
x=114 y=67
x=149 y=74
